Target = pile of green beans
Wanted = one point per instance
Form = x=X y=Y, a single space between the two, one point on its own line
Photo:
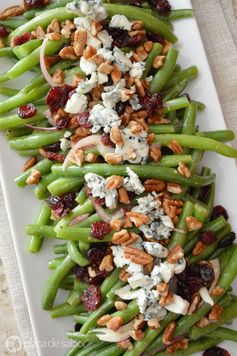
x=72 y=231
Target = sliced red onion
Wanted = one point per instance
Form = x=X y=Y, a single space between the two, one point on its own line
x=88 y=142
x=44 y=70
x=100 y=211
x=217 y=270
x=38 y=128
x=119 y=214
x=78 y=219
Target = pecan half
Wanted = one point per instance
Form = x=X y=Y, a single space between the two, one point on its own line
x=34 y=177
x=29 y=163
x=114 y=182
x=169 y=333
x=137 y=256
x=138 y=218
x=215 y=313
x=184 y=170
x=11 y=12
x=198 y=248
x=175 y=147
x=107 y=264
x=193 y=223
x=104 y=320
x=174 y=188
x=155 y=185
x=121 y=237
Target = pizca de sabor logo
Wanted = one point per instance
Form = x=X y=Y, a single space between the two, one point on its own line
x=13 y=344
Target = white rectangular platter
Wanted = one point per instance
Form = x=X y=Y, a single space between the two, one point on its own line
x=22 y=206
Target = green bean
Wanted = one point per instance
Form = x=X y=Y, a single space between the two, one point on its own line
x=176 y=90
x=43 y=20
x=176 y=104
x=129 y=313
x=64 y=185
x=55 y=262
x=161 y=129
x=43 y=167
x=219 y=135
x=81 y=196
x=224 y=333
x=87 y=222
x=74 y=298
x=18 y=132
x=53 y=282
x=41 y=191
x=180 y=14
x=110 y=350
x=200 y=106
x=194 y=346
x=31 y=60
x=12 y=22
x=200 y=143
x=148 y=171
x=66 y=309
x=60 y=249
x=8 y=91
x=80 y=319
x=163 y=75
x=91 y=321
x=36 y=140
x=79 y=234
x=6 y=52
x=156 y=50
x=226 y=256
x=109 y=281
x=26 y=48
x=187 y=73
x=41 y=230
x=77 y=336
x=151 y=23
x=214 y=225
x=228 y=314
x=84 y=245
x=189 y=119
x=180 y=237
x=92 y=349
x=35 y=12
x=80 y=286
x=35 y=242
x=75 y=254
x=211 y=248
x=14 y=121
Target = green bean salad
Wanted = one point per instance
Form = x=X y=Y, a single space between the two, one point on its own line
x=114 y=154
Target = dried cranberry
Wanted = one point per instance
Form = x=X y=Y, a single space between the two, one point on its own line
x=99 y=229
x=206 y=273
x=184 y=291
x=3 y=31
x=77 y=327
x=227 y=241
x=135 y=40
x=34 y=4
x=27 y=111
x=152 y=103
x=195 y=284
x=163 y=7
x=105 y=139
x=63 y=123
x=19 y=40
x=53 y=156
x=69 y=199
x=81 y=273
x=83 y=120
x=55 y=147
x=216 y=351
x=96 y=254
x=120 y=108
x=155 y=37
x=57 y=97
x=91 y=298
x=219 y=211
x=208 y=237
x=100 y=201
x=122 y=39
x=204 y=193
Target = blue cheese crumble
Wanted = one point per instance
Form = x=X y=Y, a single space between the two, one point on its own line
x=76 y=104
x=120 y=21
x=135 y=148
x=94 y=9
x=103 y=118
x=132 y=183
x=97 y=184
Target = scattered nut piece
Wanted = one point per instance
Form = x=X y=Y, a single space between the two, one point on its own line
x=123 y=196
x=29 y=163
x=174 y=188
x=203 y=322
x=215 y=313
x=175 y=254
x=120 y=237
x=199 y=248
x=96 y=27
x=11 y=12
x=116 y=225
x=148 y=46
x=193 y=223
x=105 y=68
x=120 y=305
x=194 y=304
x=155 y=153
x=217 y=291
x=175 y=147
x=104 y=320
x=180 y=345
x=138 y=218
x=137 y=25
x=166 y=300
x=125 y=344
x=123 y=275
x=58 y=76
x=91 y=157
x=137 y=256
x=80 y=37
x=113 y=158
x=153 y=323
x=68 y=53
x=53 y=27
x=158 y=62
x=89 y=52
x=163 y=289
x=34 y=177
x=116 y=74
x=107 y=264
x=155 y=185
x=169 y=333
x=138 y=322
x=115 y=323
x=137 y=335
x=116 y=136
x=54 y=36
x=114 y=182
x=184 y=170
x=140 y=88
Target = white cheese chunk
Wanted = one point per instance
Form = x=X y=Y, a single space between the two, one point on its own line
x=120 y=21
x=93 y=9
x=83 y=23
x=87 y=66
x=105 y=38
x=155 y=249
x=103 y=118
x=93 y=41
x=137 y=69
x=122 y=60
x=76 y=104
x=132 y=183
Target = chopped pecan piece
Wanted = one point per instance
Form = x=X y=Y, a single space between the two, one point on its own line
x=107 y=264
x=215 y=313
x=138 y=218
x=114 y=182
x=198 y=248
x=115 y=224
x=175 y=254
x=153 y=323
x=113 y=158
x=121 y=237
x=217 y=291
x=116 y=136
x=169 y=333
x=137 y=256
x=184 y=170
x=137 y=335
x=158 y=62
x=175 y=147
x=155 y=185
x=34 y=177
x=68 y=53
x=123 y=275
x=123 y=196
x=180 y=345
x=120 y=305
x=115 y=323
x=80 y=37
x=166 y=300
x=193 y=223
x=104 y=320
x=125 y=344
x=29 y=163
x=194 y=304
x=174 y=188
